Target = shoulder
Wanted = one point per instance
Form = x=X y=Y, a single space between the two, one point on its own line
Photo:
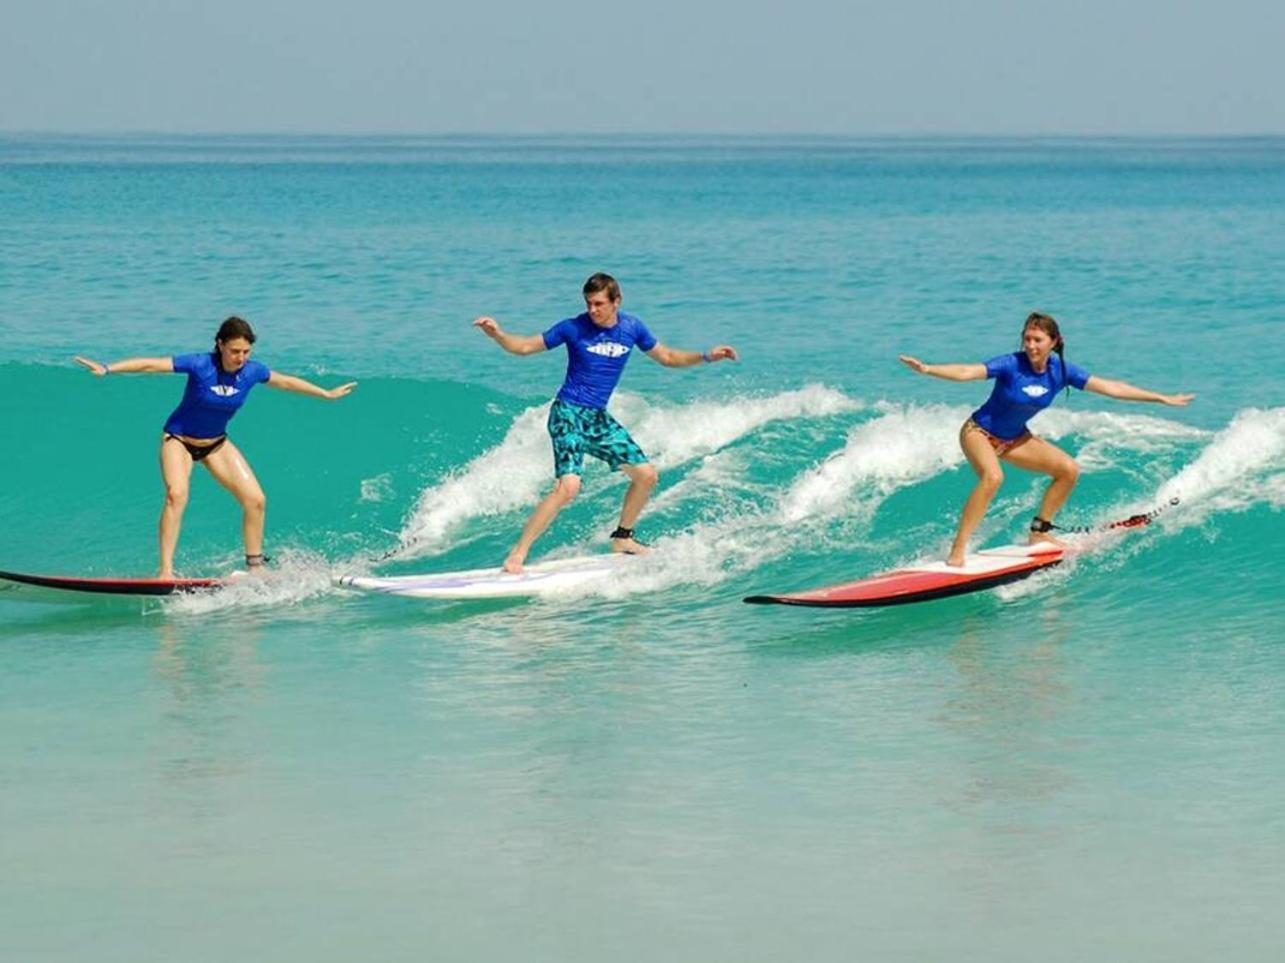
x=200 y=362
x=640 y=332
x=257 y=371
x=561 y=331
x=1004 y=364
x=1073 y=375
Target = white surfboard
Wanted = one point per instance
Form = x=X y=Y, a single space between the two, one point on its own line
x=543 y=578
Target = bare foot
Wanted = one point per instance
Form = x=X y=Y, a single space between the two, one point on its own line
x=627 y=546
x=166 y=574
x=955 y=560
x=513 y=564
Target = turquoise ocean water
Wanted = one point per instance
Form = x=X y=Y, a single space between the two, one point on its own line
x=1084 y=765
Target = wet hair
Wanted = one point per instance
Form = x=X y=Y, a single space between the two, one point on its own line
x=235 y=327
x=602 y=282
x=1049 y=326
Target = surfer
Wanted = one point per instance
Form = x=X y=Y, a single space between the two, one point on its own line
x=1026 y=382
x=598 y=344
x=196 y=432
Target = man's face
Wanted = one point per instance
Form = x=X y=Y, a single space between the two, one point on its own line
x=602 y=309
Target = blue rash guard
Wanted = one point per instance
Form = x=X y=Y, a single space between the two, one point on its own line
x=596 y=356
x=212 y=395
x=1020 y=392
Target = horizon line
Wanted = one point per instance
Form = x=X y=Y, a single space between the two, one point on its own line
x=672 y=134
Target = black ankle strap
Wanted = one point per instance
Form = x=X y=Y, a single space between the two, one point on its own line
x=1041 y=525
x=623 y=533
x=255 y=561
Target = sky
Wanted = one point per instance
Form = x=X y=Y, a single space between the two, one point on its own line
x=661 y=66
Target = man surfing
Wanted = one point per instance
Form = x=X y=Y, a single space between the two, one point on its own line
x=598 y=344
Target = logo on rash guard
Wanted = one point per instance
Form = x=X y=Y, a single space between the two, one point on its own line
x=226 y=391
x=1035 y=391
x=608 y=349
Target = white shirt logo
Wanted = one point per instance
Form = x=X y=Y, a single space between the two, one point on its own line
x=608 y=349
x=1035 y=391
x=225 y=391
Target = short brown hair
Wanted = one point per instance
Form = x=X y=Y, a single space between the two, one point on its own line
x=602 y=282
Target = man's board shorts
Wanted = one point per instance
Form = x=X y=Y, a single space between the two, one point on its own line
x=1001 y=445
x=577 y=431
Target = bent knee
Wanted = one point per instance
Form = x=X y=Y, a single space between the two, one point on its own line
x=567 y=488
x=991 y=479
x=1069 y=471
x=646 y=474
x=256 y=503
x=175 y=496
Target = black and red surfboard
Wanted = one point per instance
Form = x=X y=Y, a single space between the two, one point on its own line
x=17 y=582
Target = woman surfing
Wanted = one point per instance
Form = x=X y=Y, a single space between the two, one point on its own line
x=1026 y=383
x=218 y=383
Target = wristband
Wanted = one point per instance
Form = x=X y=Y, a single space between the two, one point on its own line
x=705 y=357
x=106 y=370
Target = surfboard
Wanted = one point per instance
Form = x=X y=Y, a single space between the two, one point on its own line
x=543 y=578
x=933 y=580
x=24 y=585
x=982 y=570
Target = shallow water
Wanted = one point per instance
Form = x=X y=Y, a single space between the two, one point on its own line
x=1083 y=764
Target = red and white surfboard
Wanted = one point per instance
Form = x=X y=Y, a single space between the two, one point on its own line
x=986 y=569
x=934 y=580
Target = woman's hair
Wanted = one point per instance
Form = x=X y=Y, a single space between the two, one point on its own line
x=1049 y=326
x=235 y=327
x=602 y=282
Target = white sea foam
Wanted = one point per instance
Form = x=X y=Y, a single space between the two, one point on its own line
x=506 y=477
x=904 y=445
x=675 y=434
x=1240 y=467
x=377 y=489
x=292 y=577
x=513 y=474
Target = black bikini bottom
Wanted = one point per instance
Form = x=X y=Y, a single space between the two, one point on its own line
x=198 y=452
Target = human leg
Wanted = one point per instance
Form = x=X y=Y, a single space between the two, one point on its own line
x=1037 y=455
x=233 y=472
x=608 y=440
x=980 y=453
x=564 y=490
x=642 y=481
x=566 y=424
x=176 y=473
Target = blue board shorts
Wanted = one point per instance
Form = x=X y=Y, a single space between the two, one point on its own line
x=578 y=431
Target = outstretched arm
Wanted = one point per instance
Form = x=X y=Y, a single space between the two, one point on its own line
x=950 y=372
x=128 y=366
x=299 y=386
x=1127 y=392
x=675 y=358
x=512 y=343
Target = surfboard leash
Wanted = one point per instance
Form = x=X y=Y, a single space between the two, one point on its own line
x=1133 y=521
